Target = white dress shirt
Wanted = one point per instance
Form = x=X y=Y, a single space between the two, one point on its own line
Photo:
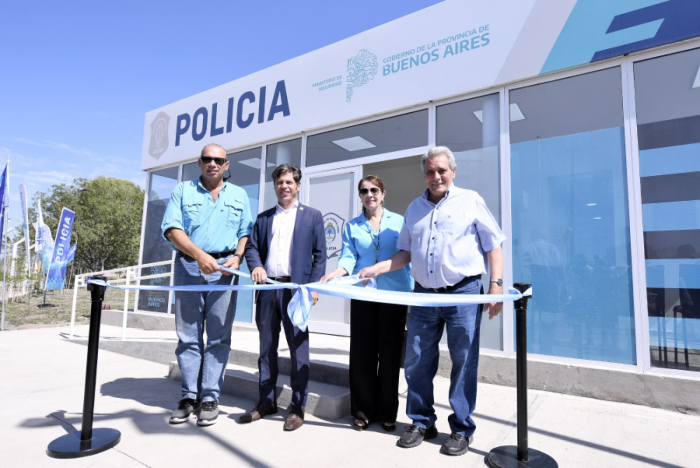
x=449 y=241
x=280 y=253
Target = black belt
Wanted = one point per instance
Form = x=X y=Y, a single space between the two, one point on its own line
x=460 y=283
x=215 y=255
x=281 y=279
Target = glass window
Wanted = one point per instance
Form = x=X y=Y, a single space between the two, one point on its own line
x=156 y=249
x=287 y=152
x=382 y=136
x=245 y=172
x=472 y=130
x=667 y=90
x=570 y=217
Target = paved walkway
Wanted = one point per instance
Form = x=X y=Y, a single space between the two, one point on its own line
x=42 y=385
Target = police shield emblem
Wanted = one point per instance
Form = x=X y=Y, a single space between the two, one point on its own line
x=333 y=229
x=159 y=135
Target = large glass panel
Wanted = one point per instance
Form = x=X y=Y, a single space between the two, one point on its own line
x=668 y=119
x=156 y=249
x=244 y=171
x=287 y=152
x=472 y=130
x=382 y=136
x=570 y=217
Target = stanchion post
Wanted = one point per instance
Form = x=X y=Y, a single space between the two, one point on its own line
x=509 y=456
x=88 y=441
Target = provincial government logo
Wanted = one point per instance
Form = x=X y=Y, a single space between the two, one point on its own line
x=361 y=69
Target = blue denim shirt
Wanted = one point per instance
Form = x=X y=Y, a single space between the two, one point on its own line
x=449 y=241
x=359 y=250
x=212 y=226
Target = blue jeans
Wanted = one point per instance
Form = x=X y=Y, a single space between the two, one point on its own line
x=202 y=367
x=425 y=325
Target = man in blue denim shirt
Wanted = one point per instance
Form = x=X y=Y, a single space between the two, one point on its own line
x=208 y=222
x=448 y=234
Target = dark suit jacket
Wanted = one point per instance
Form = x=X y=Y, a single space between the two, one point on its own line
x=308 y=260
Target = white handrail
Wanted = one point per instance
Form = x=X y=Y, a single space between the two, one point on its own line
x=131 y=273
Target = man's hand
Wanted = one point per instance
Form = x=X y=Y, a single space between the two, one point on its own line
x=314 y=296
x=233 y=263
x=207 y=264
x=258 y=275
x=494 y=308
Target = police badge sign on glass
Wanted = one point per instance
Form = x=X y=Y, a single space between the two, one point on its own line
x=333 y=229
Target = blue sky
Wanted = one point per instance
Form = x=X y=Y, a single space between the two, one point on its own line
x=77 y=77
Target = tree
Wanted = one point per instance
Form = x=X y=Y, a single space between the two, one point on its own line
x=108 y=215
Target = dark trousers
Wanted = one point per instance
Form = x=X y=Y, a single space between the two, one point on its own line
x=271 y=310
x=376 y=339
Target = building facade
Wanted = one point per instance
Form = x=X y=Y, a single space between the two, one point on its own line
x=578 y=121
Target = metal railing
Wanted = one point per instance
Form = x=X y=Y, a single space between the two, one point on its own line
x=131 y=273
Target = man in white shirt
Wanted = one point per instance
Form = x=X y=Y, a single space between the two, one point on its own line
x=287 y=245
x=449 y=236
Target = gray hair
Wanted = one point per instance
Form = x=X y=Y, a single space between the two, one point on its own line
x=438 y=150
x=212 y=144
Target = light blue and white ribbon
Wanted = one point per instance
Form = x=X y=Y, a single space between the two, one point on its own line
x=299 y=308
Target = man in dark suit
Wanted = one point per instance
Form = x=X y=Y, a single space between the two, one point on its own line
x=287 y=244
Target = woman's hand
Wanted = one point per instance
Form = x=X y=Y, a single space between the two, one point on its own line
x=337 y=273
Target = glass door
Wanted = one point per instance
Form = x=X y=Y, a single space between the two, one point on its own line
x=334 y=194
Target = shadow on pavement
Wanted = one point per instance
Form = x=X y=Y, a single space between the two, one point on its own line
x=156 y=393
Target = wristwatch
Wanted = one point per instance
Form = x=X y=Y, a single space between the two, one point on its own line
x=498 y=281
x=240 y=257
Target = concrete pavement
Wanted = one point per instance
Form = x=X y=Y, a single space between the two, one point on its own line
x=42 y=384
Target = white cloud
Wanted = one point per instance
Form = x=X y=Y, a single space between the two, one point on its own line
x=35 y=178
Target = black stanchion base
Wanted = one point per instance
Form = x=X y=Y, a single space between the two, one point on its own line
x=70 y=445
x=507 y=457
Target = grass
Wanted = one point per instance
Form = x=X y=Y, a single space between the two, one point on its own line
x=57 y=311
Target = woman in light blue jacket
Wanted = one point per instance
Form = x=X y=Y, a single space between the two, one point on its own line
x=376 y=329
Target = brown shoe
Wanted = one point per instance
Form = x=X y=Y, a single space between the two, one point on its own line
x=261 y=410
x=295 y=419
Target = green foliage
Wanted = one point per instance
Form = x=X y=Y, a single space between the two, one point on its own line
x=108 y=215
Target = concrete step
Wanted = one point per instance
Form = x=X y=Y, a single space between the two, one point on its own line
x=324 y=400
x=328 y=372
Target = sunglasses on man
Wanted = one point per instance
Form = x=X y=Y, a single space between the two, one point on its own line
x=208 y=159
x=365 y=191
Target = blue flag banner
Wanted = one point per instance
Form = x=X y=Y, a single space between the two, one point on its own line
x=4 y=201
x=62 y=251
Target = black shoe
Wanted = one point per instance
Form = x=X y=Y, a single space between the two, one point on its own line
x=457 y=444
x=414 y=435
x=185 y=408
x=207 y=413
x=260 y=411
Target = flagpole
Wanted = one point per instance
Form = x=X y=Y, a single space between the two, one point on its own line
x=4 y=240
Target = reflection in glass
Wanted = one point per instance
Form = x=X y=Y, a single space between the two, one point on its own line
x=570 y=217
x=244 y=169
x=287 y=152
x=667 y=90
x=155 y=248
x=378 y=137
x=471 y=129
